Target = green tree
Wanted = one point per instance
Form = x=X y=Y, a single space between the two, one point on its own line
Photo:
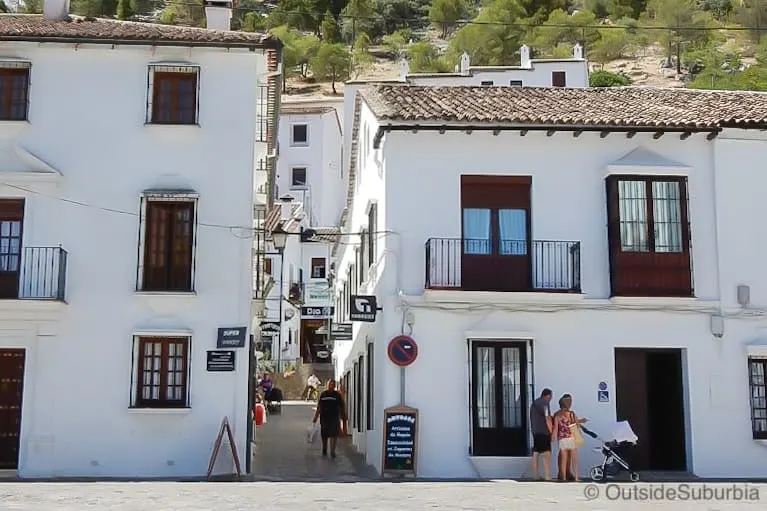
x=189 y=13
x=542 y=8
x=331 y=32
x=94 y=8
x=357 y=19
x=252 y=22
x=686 y=26
x=332 y=62
x=124 y=9
x=395 y=43
x=32 y=7
x=362 y=60
x=424 y=57
x=444 y=13
x=565 y=31
x=753 y=14
x=612 y=44
x=495 y=39
x=607 y=79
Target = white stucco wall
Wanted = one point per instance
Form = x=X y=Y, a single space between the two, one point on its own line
x=322 y=159
x=86 y=119
x=537 y=75
x=573 y=336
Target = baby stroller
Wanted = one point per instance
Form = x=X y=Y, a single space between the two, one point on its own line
x=273 y=398
x=615 y=452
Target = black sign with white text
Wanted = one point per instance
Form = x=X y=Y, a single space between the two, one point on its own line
x=318 y=312
x=220 y=361
x=363 y=308
x=231 y=337
x=341 y=331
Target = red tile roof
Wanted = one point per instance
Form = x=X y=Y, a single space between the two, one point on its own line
x=33 y=27
x=608 y=107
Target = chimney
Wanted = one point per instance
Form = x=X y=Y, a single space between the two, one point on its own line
x=218 y=14
x=465 y=62
x=524 y=56
x=577 y=51
x=286 y=207
x=404 y=69
x=55 y=9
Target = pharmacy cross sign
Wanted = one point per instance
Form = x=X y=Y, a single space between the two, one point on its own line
x=402 y=350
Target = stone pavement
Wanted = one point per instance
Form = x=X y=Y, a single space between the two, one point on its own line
x=371 y=496
x=282 y=453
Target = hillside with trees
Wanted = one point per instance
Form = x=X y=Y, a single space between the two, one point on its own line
x=679 y=43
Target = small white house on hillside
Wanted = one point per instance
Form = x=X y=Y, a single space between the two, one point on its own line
x=126 y=212
x=598 y=242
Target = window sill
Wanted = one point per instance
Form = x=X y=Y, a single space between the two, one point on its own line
x=171 y=125
x=159 y=411
x=761 y=441
x=166 y=293
x=14 y=122
x=295 y=144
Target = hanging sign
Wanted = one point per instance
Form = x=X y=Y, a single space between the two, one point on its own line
x=231 y=337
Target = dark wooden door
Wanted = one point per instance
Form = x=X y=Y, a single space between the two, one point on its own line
x=649 y=394
x=499 y=399
x=496 y=245
x=631 y=400
x=11 y=387
x=11 y=224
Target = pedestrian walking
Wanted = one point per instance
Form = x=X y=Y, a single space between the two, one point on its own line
x=541 y=424
x=330 y=411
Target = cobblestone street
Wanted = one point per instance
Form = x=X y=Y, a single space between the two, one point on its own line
x=502 y=495
x=282 y=453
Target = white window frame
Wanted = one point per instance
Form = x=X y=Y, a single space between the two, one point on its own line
x=134 y=376
x=171 y=67
x=293 y=141
x=304 y=186
x=169 y=196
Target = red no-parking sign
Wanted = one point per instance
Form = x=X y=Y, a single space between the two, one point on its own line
x=402 y=350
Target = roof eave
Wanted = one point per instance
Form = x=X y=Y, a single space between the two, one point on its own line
x=267 y=43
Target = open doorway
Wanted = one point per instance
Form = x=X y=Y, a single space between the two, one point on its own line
x=315 y=345
x=649 y=393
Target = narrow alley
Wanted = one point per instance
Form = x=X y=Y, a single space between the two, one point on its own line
x=283 y=454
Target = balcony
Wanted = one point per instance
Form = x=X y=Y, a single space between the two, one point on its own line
x=651 y=274
x=37 y=273
x=532 y=266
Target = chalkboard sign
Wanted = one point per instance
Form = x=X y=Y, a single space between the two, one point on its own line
x=400 y=442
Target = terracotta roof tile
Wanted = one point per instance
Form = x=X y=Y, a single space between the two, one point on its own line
x=22 y=27
x=608 y=107
x=293 y=109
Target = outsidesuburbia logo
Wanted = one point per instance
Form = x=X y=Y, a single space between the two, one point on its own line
x=682 y=492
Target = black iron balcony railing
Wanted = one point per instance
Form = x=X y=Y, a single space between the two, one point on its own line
x=507 y=266
x=34 y=273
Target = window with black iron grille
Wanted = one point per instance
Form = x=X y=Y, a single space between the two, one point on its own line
x=360 y=364
x=14 y=91
x=168 y=258
x=173 y=94
x=515 y=83
x=364 y=263
x=162 y=372
x=757 y=369
x=558 y=79
x=372 y=234
x=369 y=387
x=487 y=83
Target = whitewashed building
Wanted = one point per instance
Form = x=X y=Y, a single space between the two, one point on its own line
x=126 y=213
x=310 y=195
x=599 y=242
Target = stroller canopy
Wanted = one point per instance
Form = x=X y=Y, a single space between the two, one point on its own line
x=623 y=433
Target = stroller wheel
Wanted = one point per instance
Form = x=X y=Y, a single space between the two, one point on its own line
x=634 y=476
x=597 y=474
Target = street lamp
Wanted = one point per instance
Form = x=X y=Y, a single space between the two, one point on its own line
x=280 y=240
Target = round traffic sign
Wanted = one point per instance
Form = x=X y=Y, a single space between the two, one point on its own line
x=403 y=350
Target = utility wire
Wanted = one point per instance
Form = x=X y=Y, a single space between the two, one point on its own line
x=426 y=20
x=230 y=228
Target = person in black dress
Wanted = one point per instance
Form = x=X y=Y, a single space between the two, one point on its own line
x=330 y=412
